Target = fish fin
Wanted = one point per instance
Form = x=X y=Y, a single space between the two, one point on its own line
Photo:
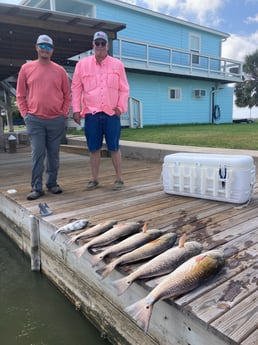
x=106 y=270
x=121 y=285
x=141 y=312
x=200 y=257
x=182 y=241
x=145 y=227
x=80 y=251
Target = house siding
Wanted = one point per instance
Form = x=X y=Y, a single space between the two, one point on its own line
x=147 y=28
x=159 y=109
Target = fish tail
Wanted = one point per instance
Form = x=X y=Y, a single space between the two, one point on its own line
x=95 y=259
x=53 y=236
x=121 y=285
x=79 y=251
x=106 y=270
x=141 y=312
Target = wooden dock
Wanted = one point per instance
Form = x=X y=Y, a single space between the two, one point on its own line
x=221 y=311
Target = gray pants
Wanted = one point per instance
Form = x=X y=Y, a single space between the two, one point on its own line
x=45 y=138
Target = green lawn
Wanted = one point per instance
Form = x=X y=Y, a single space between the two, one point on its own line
x=234 y=136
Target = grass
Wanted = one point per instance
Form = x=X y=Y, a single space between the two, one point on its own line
x=234 y=136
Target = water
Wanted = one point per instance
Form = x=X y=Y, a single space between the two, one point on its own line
x=32 y=310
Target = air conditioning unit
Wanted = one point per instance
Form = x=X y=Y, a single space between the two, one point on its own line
x=199 y=93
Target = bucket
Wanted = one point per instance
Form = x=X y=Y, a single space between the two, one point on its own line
x=12 y=143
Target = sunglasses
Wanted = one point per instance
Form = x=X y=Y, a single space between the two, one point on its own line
x=45 y=46
x=102 y=44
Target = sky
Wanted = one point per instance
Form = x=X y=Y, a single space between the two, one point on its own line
x=239 y=18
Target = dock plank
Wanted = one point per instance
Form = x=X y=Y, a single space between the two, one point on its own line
x=225 y=296
x=224 y=305
x=240 y=321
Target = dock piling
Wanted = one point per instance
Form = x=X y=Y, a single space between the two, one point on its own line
x=35 y=244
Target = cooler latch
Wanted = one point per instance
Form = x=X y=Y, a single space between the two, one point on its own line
x=223 y=175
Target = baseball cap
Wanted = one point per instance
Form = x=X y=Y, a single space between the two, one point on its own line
x=100 y=34
x=45 y=39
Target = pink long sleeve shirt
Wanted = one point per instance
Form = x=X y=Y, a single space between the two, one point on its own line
x=99 y=87
x=43 y=90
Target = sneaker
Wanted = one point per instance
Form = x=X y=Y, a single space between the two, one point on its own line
x=44 y=210
x=55 y=189
x=92 y=185
x=34 y=194
x=119 y=184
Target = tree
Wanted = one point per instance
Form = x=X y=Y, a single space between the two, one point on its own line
x=246 y=92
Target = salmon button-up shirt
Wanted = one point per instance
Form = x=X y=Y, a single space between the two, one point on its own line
x=99 y=87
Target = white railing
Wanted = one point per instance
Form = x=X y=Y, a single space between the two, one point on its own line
x=146 y=56
x=133 y=117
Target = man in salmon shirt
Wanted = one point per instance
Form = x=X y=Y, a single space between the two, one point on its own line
x=43 y=97
x=100 y=93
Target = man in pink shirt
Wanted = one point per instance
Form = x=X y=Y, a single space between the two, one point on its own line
x=100 y=93
x=43 y=97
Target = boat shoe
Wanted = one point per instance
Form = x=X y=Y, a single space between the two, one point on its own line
x=34 y=194
x=92 y=185
x=55 y=189
x=119 y=184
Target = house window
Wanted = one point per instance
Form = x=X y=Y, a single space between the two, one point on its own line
x=73 y=6
x=195 y=43
x=174 y=94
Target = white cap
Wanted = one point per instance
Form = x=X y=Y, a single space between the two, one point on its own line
x=45 y=39
x=100 y=34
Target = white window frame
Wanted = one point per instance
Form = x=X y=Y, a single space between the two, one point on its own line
x=177 y=92
x=195 y=48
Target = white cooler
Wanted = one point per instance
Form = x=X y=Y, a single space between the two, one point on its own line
x=221 y=177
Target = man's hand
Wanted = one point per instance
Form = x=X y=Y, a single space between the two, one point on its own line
x=77 y=118
x=117 y=111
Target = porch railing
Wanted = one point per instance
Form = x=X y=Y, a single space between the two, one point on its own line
x=146 y=56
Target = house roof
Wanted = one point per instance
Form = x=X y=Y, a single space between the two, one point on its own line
x=21 y=25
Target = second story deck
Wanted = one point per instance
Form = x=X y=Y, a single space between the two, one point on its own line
x=153 y=58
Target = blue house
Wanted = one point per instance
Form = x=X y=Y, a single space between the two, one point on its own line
x=175 y=69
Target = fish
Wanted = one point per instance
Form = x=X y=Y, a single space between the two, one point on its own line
x=146 y=251
x=117 y=231
x=93 y=231
x=73 y=226
x=127 y=245
x=183 y=279
x=160 y=265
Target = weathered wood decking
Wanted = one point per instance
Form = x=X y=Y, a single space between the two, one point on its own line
x=225 y=307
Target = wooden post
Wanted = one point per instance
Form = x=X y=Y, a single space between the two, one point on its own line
x=34 y=244
x=2 y=146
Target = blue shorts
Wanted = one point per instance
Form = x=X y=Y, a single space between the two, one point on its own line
x=99 y=126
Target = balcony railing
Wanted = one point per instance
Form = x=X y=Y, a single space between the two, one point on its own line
x=157 y=58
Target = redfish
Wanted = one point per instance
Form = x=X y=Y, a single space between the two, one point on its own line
x=160 y=265
x=73 y=226
x=119 y=230
x=146 y=251
x=94 y=231
x=183 y=279
x=127 y=245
